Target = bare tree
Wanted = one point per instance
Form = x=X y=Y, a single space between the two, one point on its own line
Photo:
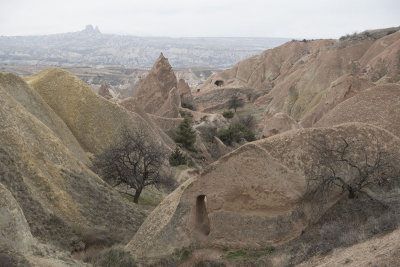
x=134 y=160
x=235 y=102
x=247 y=120
x=350 y=165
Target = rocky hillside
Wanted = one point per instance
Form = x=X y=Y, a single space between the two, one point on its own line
x=306 y=79
x=89 y=116
x=49 y=127
x=263 y=185
x=327 y=91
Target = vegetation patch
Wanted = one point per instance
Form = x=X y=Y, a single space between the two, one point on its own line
x=228 y=114
x=177 y=158
x=185 y=134
x=188 y=106
x=149 y=197
x=235 y=133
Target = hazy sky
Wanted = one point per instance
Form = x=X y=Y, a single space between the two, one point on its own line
x=176 y=18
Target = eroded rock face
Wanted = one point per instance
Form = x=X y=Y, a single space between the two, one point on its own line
x=307 y=79
x=20 y=91
x=104 y=92
x=154 y=90
x=162 y=129
x=57 y=192
x=170 y=108
x=94 y=121
x=14 y=229
x=377 y=105
x=185 y=92
x=252 y=197
x=279 y=123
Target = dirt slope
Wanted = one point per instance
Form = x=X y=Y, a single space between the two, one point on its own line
x=35 y=104
x=378 y=105
x=93 y=120
x=379 y=251
x=61 y=198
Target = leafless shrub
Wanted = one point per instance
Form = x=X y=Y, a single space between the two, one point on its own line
x=134 y=160
x=350 y=165
x=247 y=120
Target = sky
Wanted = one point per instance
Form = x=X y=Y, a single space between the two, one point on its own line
x=200 y=18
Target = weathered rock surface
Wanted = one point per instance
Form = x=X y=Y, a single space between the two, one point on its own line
x=94 y=121
x=256 y=187
x=279 y=123
x=34 y=104
x=184 y=92
x=170 y=108
x=154 y=90
x=14 y=229
x=378 y=105
x=105 y=92
x=379 y=251
x=307 y=79
x=61 y=198
x=162 y=129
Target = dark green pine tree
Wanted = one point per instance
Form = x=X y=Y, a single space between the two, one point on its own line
x=185 y=134
x=177 y=158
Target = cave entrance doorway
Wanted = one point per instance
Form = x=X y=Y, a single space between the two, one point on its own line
x=219 y=83
x=202 y=220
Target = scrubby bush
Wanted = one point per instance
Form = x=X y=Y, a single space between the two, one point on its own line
x=177 y=158
x=186 y=113
x=247 y=120
x=207 y=132
x=235 y=133
x=228 y=114
x=187 y=105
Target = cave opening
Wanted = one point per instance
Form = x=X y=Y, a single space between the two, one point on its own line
x=219 y=83
x=202 y=220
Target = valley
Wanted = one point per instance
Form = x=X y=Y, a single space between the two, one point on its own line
x=280 y=156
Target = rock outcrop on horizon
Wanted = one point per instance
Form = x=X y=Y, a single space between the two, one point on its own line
x=105 y=92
